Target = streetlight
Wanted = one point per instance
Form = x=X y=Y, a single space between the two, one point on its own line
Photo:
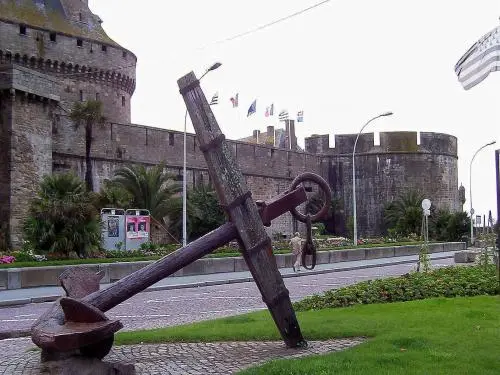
x=184 y=189
x=354 y=176
x=470 y=192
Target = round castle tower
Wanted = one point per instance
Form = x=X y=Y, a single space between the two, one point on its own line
x=64 y=39
x=385 y=172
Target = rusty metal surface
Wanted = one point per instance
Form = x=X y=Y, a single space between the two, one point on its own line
x=79 y=282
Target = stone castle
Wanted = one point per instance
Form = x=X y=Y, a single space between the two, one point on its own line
x=55 y=52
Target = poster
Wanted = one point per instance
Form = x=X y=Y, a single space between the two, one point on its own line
x=143 y=227
x=132 y=227
x=113 y=226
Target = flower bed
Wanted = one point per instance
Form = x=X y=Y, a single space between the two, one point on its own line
x=455 y=281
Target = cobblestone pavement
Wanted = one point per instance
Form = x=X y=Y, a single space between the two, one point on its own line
x=190 y=358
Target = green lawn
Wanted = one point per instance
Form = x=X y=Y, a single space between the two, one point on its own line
x=435 y=336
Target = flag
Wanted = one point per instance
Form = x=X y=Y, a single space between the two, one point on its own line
x=300 y=116
x=271 y=110
x=283 y=115
x=234 y=101
x=480 y=60
x=253 y=108
x=215 y=99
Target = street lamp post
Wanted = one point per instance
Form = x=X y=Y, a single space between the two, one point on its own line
x=355 y=240
x=470 y=191
x=184 y=188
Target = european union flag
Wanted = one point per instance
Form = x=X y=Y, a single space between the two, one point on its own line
x=253 y=108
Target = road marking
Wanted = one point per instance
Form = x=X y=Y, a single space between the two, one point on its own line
x=17 y=320
x=170 y=299
x=142 y=316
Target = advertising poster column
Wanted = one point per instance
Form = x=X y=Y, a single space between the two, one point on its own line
x=137 y=223
x=113 y=228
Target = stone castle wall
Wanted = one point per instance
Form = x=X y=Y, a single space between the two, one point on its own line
x=383 y=172
x=85 y=72
x=27 y=102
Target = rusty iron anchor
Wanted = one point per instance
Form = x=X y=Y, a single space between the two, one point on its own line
x=76 y=324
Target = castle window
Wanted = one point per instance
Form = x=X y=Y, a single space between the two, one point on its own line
x=81 y=95
x=52 y=37
x=123 y=101
x=171 y=139
x=124 y=54
x=104 y=48
x=79 y=43
x=22 y=29
x=80 y=17
x=97 y=96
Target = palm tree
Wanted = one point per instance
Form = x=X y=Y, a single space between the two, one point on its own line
x=88 y=113
x=112 y=195
x=62 y=218
x=152 y=189
x=404 y=214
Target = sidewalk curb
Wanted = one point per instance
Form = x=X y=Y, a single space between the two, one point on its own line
x=52 y=298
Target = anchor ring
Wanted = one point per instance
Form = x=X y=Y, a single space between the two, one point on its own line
x=323 y=185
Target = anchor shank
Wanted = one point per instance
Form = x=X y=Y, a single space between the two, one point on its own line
x=235 y=196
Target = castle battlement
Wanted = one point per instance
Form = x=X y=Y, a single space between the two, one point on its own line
x=79 y=72
x=390 y=142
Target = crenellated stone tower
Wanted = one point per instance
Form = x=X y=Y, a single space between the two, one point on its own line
x=52 y=54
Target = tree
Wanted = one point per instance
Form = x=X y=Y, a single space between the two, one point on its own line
x=88 y=114
x=205 y=213
x=404 y=215
x=62 y=218
x=112 y=195
x=152 y=189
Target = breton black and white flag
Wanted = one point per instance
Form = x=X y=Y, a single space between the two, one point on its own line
x=283 y=115
x=480 y=60
x=215 y=99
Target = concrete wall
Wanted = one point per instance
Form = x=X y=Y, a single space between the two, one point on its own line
x=16 y=278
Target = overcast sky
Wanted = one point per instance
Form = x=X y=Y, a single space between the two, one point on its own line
x=341 y=63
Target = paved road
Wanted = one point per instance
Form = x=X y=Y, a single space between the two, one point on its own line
x=179 y=306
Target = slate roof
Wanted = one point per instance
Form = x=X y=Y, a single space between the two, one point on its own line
x=50 y=15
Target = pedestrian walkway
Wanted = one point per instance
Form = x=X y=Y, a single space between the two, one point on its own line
x=189 y=358
x=43 y=294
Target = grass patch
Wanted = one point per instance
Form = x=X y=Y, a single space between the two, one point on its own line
x=433 y=336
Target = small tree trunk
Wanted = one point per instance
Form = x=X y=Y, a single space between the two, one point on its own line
x=88 y=161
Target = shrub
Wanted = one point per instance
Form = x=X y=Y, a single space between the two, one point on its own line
x=62 y=218
x=404 y=215
x=455 y=281
x=446 y=226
